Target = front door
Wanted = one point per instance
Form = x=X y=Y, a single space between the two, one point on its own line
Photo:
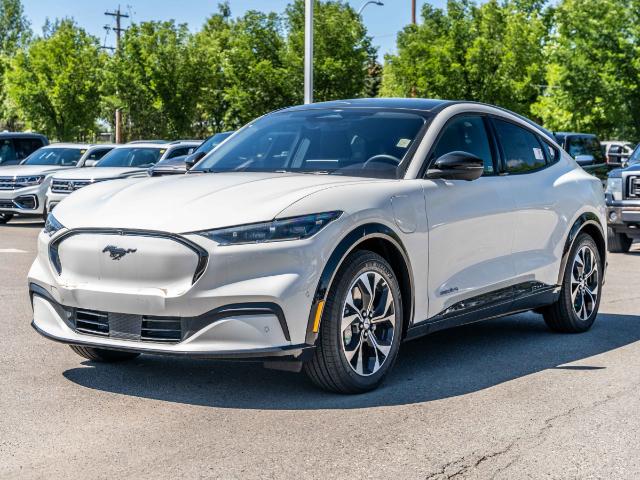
x=471 y=225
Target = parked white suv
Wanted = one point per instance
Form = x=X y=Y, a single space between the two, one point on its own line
x=23 y=187
x=327 y=235
x=129 y=160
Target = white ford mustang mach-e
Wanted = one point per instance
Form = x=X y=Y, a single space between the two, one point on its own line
x=320 y=237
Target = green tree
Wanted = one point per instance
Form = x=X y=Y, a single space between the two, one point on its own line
x=343 y=52
x=489 y=53
x=593 y=75
x=15 y=33
x=154 y=80
x=55 y=84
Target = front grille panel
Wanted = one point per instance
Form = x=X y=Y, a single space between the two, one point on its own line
x=633 y=187
x=68 y=186
x=129 y=327
x=9 y=183
x=92 y=322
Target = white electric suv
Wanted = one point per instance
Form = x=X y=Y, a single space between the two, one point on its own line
x=320 y=237
x=129 y=160
x=23 y=187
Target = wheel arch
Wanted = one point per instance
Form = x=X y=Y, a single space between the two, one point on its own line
x=377 y=238
x=587 y=223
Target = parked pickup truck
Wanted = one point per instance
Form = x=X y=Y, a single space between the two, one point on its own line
x=623 y=204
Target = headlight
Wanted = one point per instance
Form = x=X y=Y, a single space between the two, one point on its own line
x=614 y=188
x=52 y=225
x=30 y=181
x=294 y=228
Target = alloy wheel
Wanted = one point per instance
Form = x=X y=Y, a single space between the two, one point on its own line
x=368 y=323
x=584 y=282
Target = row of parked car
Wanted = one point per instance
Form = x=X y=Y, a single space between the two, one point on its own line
x=35 y=176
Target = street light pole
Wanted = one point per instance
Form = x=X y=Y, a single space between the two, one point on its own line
x=308 y=51
x=374 y=2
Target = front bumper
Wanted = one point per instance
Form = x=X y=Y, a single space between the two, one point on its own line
x=23 y=201
x=260 y=295
x=235 y=331
x=53 y=199
x=624 y=217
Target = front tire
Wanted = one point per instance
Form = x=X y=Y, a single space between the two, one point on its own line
x=5 y=217
x=577 y=308
x=618 y=242
x=361 y=327
x=103 y=355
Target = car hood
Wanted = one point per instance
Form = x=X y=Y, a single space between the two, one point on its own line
x=22 y=170
x=618 y=172
x=188 y=203
x=97 y=173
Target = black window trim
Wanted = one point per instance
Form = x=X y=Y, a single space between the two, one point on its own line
x=428 y=160
x=541 y=142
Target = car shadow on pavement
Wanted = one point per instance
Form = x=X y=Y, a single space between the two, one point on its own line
x=445 y=364
x=24 y=224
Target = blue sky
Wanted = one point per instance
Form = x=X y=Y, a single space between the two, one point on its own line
x=382 y=22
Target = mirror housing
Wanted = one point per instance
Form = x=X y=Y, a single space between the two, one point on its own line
x=457 y=165
x=585 y=159
x=192 y=159
x=90 y=163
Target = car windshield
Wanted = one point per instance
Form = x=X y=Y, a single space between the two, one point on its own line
x=64 y=157
x=356 y=142
x=585 y=146
x=136 y=157
x=212 y=142
x=635 y=156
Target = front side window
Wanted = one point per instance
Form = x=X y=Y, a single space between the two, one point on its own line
x=583 y=145
x=466 y=134
x=26 y=146
x=7 y=152
x=98 y=153
x=64 y=157
x=521 y=148
x=131 y=157
x=355 y=142
x=212 y=142
x=179 y=152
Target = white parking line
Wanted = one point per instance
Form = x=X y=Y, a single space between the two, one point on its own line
x=12 y=250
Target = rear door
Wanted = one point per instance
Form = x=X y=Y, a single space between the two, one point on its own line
x=528 y=166
x=471 y=224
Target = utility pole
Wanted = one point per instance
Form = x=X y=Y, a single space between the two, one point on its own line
x=118 y=15
x=413 y=11
x=308 y=51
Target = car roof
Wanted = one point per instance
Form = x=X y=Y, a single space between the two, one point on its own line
x=69 y=145
x=574 y=134
x=22 y=134
x=144 y=145
x=421 y=104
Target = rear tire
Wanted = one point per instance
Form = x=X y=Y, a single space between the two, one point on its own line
x=577 y=308
x=360 y=334
x=5 y=217
x=103 y=355
x=618 y=242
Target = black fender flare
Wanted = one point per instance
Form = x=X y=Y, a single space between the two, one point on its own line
x=348 y=244
x=583 y=221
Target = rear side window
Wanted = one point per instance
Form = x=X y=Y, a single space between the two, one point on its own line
x=466 y=134
x=521 y=148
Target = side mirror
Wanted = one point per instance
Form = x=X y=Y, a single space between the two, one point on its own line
x=192 y=159
x=90 y=163
x=457 y=166
x=585 y=159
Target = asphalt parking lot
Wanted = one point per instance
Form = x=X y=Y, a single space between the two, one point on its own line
x=501 y=399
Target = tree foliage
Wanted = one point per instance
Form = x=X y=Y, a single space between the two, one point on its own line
x=592 y=76
x=55 y=84
x=489 y=53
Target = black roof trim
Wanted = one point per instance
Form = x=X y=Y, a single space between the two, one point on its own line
x=416 y=104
